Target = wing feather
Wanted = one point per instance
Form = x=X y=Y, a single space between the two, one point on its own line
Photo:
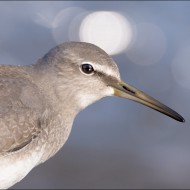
x=21 y=105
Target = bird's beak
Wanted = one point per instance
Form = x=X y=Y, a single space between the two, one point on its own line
x=124 y=90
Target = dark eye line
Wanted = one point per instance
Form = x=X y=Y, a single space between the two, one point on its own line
x=99 y=73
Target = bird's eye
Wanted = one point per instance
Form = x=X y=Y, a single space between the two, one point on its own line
x=87 y=69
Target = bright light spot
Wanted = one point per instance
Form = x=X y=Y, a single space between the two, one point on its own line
x=109 y=30
x=62 y=22
x=149 y=45
x=181 y=67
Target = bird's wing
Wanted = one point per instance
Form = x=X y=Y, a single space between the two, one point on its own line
x=20 y=106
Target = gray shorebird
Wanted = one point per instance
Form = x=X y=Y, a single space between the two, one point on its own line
x=39 y=102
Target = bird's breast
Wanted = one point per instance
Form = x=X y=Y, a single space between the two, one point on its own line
x=16 y=165
x=58 y=131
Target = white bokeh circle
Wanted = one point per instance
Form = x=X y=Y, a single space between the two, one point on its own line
x=109 y=30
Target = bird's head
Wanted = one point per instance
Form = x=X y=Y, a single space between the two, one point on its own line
x=90 y=74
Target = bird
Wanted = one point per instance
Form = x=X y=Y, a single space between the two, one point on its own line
x=39 y=102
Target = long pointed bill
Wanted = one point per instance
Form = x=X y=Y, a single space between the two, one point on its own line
x=124 y=90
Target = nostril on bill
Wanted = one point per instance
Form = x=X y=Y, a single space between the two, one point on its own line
x=129 y=90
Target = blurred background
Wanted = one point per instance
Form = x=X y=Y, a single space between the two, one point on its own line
x=114 y=143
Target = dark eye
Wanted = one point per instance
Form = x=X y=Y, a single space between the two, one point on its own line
x=87 y=68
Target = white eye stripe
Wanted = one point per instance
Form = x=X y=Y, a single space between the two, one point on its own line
x=105 y=70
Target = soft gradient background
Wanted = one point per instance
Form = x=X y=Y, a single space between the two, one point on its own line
x=114 y=143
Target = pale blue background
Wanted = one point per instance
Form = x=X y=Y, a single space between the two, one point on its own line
x=114 y=143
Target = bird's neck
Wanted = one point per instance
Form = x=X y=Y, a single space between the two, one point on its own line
x=62 y=107
x=58 y=132
x=57 y=90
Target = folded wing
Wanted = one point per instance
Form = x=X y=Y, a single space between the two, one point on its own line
x=21 y=105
